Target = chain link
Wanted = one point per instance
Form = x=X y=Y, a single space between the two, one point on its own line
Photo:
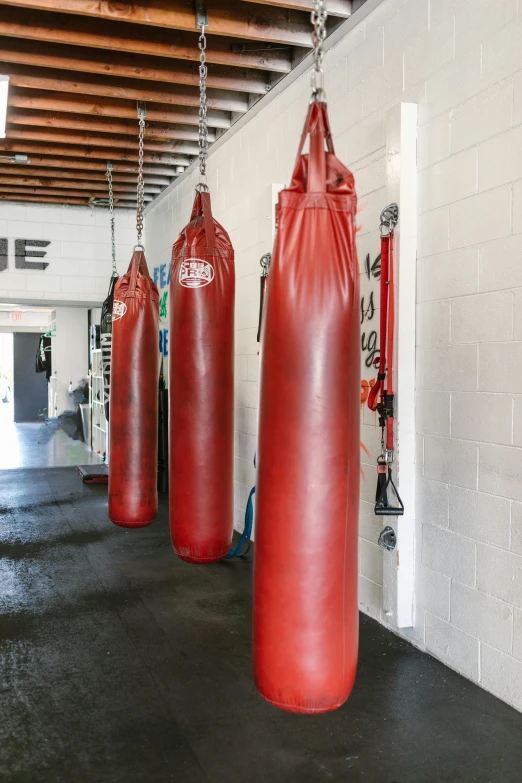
x=319 y=17
x=141 y=185
x=111 y=211
x=203 y=128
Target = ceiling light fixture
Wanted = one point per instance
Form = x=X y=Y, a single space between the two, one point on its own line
x=4 y=87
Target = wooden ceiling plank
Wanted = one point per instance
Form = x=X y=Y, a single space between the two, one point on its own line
x=58 y=200
x=258 y=23
x=342 y=8
x=111 y=107
x=32 y=191
x=137 y=90
x=61 y=184
x=82 y=60
x=81 y=165
x=156 y=42
x=65 y=121
x=78 y=201
x=97 y=153
x=77 y=175
x=54 y=135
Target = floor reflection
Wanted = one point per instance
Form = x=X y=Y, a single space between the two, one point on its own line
x=38 y=445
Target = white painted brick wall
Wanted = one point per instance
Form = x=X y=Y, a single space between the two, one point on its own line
x=461 y=60
x=79 y=254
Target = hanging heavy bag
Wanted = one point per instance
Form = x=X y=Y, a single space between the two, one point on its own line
x=133 y=425
x=201 y=388
x=105 y=342
x=305 y=620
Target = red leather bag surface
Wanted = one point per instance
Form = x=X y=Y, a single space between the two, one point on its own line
x=133 y=425
x=201 y=388
x=305 y=568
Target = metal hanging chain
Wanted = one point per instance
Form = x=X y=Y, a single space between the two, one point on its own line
x=140 y=195
x=203 y=128
x=111 y=211
x=319 y=17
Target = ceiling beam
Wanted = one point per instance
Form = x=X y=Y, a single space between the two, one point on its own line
x=258 y=23
x=66 y=121
x=342 y=8
x=81 y=164
x=78 y=201
x=30 y=191
x=111 y=107
x=54 y=135
x=95 y=187
x=153 y=41
x=135 y=90
x=20 y=170
x=81 y=59
x=98 y=153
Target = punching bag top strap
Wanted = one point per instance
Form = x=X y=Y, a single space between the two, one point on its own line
x=202 y=207
x=317 y=126
x=137 y=264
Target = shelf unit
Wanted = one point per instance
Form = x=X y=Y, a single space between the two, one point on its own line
x=98 y=420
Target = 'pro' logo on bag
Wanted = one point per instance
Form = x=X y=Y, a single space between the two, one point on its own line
x=195 y=273
x=118 y=310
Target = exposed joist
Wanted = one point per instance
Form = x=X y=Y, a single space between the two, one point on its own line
x=56 y=136
x=120 y=37
x=135 y=90
x=342 y=8
x=28 y=171
x=82 y=165
x=233 y=18
x=68 y=122
x=63 y=184
x=82 y=60
x=96 y=153
x=77 y=201
x=29 y=191
x=111 y=107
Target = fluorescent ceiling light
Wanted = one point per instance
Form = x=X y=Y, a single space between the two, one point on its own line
x=4 y=86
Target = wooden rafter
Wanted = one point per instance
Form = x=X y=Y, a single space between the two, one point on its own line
x=80 y=59
x=147 y=41
x=30 y=171
x=232 y=18
x=98 y=153
x=66 y=121
x=57 y=136
x=342 y=8
x=130 y=89
x=50 y=101
x=58 y=183
x=82 y=165
x=20 y=190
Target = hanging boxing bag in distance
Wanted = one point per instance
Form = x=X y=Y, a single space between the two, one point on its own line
x=305 y=614
x=105 y=342
x=201 y=388
x=133 y=424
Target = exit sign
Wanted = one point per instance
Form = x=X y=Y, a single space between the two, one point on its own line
x=16 y=316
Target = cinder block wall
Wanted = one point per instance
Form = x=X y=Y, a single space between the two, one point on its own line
x=79 y=253
x=461 y=61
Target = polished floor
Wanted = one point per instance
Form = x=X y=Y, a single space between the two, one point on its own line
x=38 y=445
x=121 y=664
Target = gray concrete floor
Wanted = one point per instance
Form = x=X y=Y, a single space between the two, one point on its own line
x=121 y=664
x=38 y=445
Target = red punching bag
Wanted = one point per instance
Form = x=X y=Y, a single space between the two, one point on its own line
x=133 y=425
x=305 y=568
x=201 y=388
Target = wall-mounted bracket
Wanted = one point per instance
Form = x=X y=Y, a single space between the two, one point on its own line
x=200 y=9
x=142 y=110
